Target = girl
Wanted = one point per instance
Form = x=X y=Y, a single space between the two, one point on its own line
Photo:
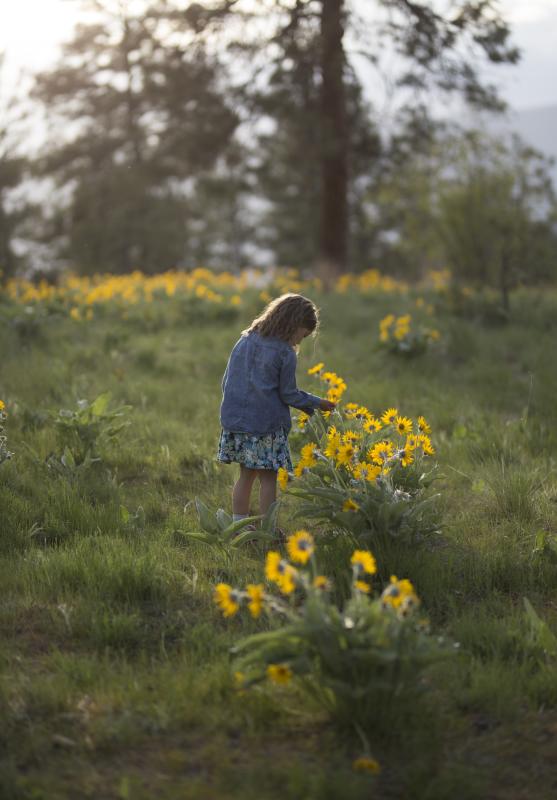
x=259 y=384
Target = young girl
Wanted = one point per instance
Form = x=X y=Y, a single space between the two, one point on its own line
x=258 y=386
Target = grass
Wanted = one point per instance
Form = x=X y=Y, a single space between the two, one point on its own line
x=114 y=663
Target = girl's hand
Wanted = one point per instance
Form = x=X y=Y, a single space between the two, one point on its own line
x=326 y=405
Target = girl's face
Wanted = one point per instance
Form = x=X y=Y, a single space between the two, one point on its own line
x=300 y=334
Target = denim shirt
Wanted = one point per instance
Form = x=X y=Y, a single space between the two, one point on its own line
x=259 y=384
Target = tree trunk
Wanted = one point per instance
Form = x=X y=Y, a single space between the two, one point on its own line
x=333 y=228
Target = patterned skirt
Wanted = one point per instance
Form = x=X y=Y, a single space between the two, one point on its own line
x=255 y=451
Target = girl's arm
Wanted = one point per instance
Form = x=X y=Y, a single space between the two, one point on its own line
x=288 y=390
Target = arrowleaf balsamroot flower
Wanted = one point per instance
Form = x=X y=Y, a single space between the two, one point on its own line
x=282 y=478
x=308 y=455
x=279 y=673
x=425 y=442
x=346 y=453
x=406 y=457
x=368 y=472
x=300 y=546
x=423 y=425
x=317 y=368
x=350 y=505
x=280 y=572
x=363 y=562
x=400 y=595
x=255 y=593
x=389 y=416
x=227 y=599
x=362 y=586
x=403 y=425
x=381 y=452
x=366 y=764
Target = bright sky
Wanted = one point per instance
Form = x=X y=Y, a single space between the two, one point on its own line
x=32 y=30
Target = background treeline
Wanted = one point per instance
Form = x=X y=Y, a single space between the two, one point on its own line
x=233 y=133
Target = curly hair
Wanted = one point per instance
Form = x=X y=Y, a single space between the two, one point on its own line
x=283 y=316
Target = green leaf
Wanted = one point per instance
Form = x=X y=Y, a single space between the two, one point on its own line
x=201 y=536
x=251 y=536
x=269 y=521
x=207 y=519
x=239 y=525
x=100 y=404
x=224 y=519
x=540 y=630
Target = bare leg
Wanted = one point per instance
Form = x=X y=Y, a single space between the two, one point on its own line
x=242 y=490
x=267 y=489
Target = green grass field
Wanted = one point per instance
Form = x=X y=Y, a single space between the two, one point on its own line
x=115 y=678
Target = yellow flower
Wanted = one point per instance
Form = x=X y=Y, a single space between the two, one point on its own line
x=389 y=416
x=334 y=394
x=333 y=446
x=308 y=454
x=279 y=673
x=366 y=764
x=321 y=582
x=425 y=442
x=299 y=469
x=403 y=425
x=286 y=582
x=423 y=425
x=75 y=313
x=316 y=368
x=363 y=561
x=302 y=420
x=372 y=424
x=387 y=321
x=300 y=546
x=350 y=410
x=362 y=586
x=399 y=594
x=406 y=457
x=381 y=452
x=282 y=477
x=346 y=453
x=350 y=437
x=366 y=472
x=411 y=442
x=2 y=405
x=272 y=564
x=361 y=413
x=350 y=505
x=255 y=594
x=227 y=599
x=280 y=572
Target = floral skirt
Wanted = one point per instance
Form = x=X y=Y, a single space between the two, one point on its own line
x=255 y=451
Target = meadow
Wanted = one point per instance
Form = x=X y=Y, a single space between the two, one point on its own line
x=116 y=677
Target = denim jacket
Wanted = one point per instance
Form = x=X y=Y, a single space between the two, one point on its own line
x=259 y=384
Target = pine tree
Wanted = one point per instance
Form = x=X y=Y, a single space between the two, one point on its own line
x=145 y=119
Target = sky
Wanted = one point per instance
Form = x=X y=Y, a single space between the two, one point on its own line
x=31 y=32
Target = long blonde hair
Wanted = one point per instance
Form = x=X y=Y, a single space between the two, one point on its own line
x=283 y=316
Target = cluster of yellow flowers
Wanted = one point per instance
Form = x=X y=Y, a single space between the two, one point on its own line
x=370 y=280
x=80 y=295
x=356 y=450
x=399 y=595
x=398 y=328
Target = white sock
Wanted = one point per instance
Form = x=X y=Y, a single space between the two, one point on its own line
x=238 y=517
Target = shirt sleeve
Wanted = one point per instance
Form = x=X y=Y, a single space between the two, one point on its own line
x=289 y=392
